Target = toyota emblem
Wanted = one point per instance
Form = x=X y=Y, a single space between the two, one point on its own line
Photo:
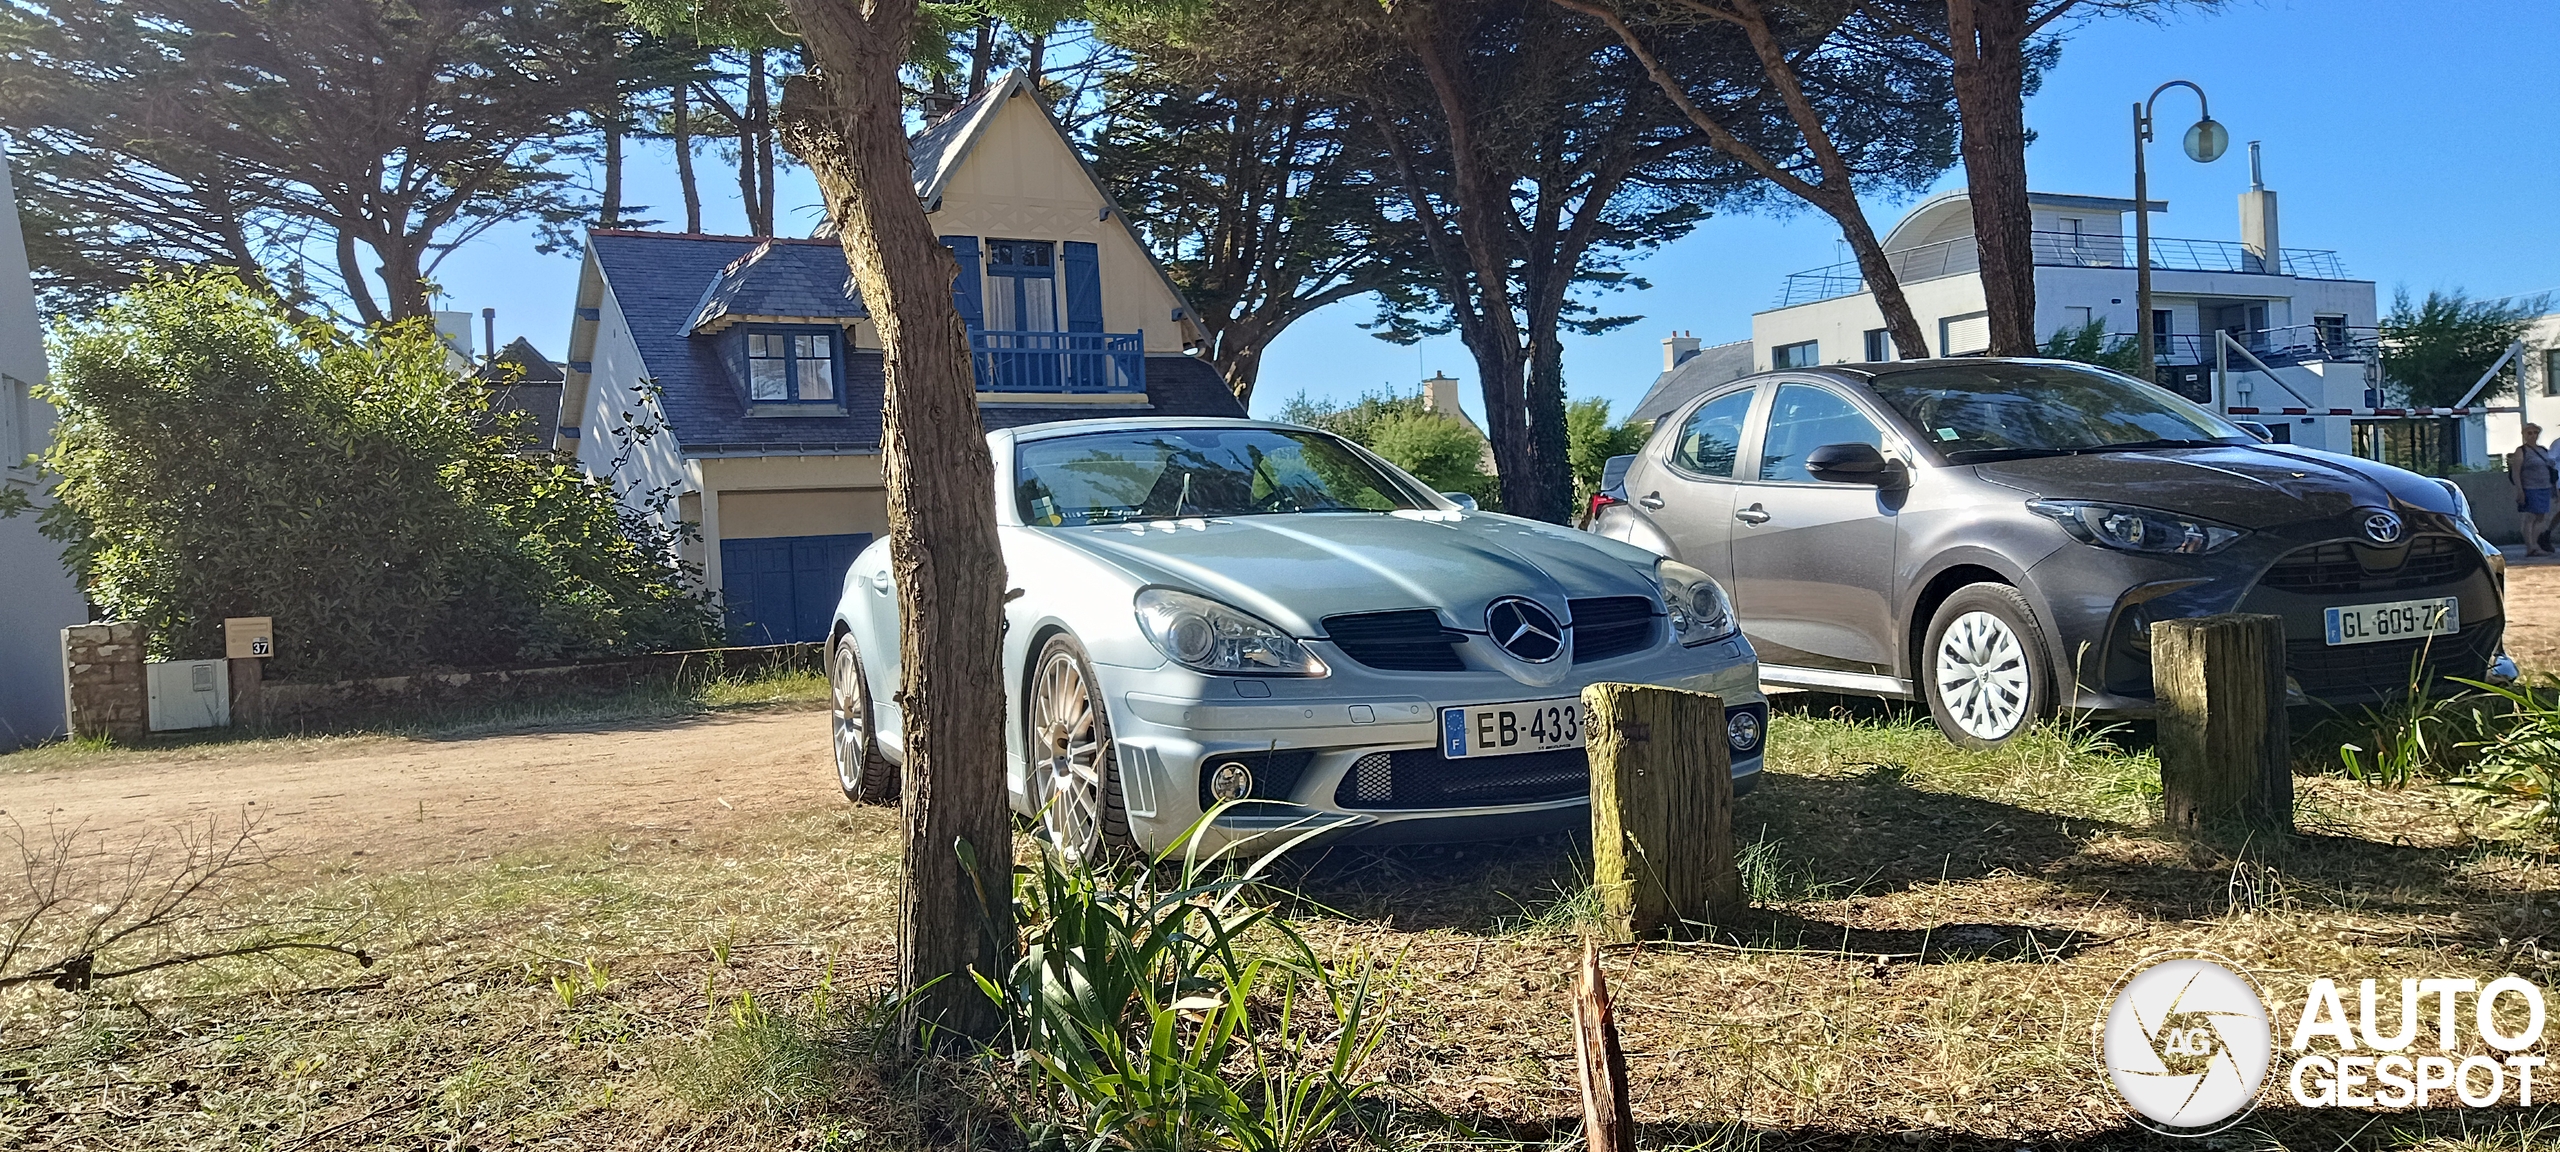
x=2382 y=528
x=1523 y=629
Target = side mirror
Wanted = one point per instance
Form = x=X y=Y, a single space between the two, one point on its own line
x=2264 y=434
x=1462 y=500
x=1854 y=464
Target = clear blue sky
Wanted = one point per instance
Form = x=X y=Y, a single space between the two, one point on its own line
x=2420 y=142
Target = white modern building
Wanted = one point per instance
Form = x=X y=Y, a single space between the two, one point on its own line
x=42 y=601
x=2248 y=326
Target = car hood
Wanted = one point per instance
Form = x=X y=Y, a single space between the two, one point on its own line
x=2249 y=487
x=1295 y=570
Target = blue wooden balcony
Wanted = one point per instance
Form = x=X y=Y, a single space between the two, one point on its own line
x=1078 y=363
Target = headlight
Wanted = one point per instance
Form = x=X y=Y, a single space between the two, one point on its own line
x=1699 y=611
x=2461 y=503
x=2131 y=529
x=1202 y=634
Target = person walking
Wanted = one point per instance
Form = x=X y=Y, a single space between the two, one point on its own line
x=2532 y=472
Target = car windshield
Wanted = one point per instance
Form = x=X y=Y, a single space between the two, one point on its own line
x=1172 y=473
x=1996 y=411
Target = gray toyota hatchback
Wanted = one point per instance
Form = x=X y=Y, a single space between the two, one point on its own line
x=1995 y=537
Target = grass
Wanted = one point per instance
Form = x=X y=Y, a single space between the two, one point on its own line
x=1935 y=934
x=651 y=700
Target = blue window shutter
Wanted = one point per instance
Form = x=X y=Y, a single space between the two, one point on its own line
x=1083 y=269
x=964 y=287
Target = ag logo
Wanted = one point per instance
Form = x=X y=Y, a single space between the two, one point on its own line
x=2186 y=1044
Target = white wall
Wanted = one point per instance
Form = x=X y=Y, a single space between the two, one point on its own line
x=41 y=599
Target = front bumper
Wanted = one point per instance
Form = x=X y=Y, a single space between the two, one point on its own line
x=2099 y=606
x=1307 y=743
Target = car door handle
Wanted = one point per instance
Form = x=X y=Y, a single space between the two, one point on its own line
x=1752 y=515
x=1652 y=501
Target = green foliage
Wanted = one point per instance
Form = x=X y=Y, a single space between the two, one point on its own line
x=2518 y=755
x=1590 y=440
x=2433 y=351
x=218 y=459
x=1157 y=1026
x=1440 y=451
x=2090 y=344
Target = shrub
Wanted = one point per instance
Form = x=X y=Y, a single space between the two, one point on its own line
x=217 y=459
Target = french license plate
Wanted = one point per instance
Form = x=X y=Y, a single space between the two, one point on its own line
x=1480 y=730
x=2397 y=620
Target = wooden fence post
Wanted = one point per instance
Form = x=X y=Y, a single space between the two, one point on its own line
x=1661 y=809
x=1608 y=1116
x=2225 y=745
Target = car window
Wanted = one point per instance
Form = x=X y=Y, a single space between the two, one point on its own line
x=1711 y=438
x=1169 y=473
x=1804 y=418
x=1997 y=410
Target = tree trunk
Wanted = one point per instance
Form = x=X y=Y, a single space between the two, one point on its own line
x=404 y=277
x=1036 y=60
x=845 y=122
x=760 y=128
x=351 y=270
x=609 y=212
x=1988 y=41
x=680 y=126
x=1910 y=341
x=982 y=54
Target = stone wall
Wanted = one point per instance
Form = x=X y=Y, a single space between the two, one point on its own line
x=102 y=681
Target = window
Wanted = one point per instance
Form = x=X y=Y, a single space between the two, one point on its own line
x=1803 y=355
x=791 y=366
x=2331 y=332
x=2426 y=447
x=2160 y=330
x=1167 y=473
x=2551 y=372
x=1879 y=345
x=17 y=423
x=1711 y=439
x=1968 y=335
x=1022 y=286
x=1805 y=418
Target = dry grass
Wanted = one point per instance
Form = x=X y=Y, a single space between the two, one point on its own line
x=1937 y=932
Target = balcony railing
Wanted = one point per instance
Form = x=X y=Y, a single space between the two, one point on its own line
x=1080 y=363
x=2063 y=250
x=2291 y=344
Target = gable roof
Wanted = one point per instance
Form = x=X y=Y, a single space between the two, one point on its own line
x=779 y=280
x=935 y=153
x=521 y=363
x=653 y=277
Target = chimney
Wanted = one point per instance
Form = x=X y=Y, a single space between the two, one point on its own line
x=937 y=104
x=2261 y=250
x=1440 y=394
x=489 y=324
x=1678 y=349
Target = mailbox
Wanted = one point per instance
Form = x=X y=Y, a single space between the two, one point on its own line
x=248 y=637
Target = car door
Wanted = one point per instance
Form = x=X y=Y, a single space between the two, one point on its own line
x=1688 y=490
x=1813 y=562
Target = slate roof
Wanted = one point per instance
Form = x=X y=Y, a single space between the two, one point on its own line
x=522 y=363
x=1711 y=366
x=660 y=281
x=935 y=153
x=779 y=279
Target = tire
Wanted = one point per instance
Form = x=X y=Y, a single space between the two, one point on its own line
x=1984 y=668
x=866 y=776
x=1073 y=775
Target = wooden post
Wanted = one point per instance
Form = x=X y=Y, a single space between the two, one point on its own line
x=1661 y=809
x=1608 y=1119
x=2225 y=745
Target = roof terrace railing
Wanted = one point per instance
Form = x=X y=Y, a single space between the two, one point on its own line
x=1068 y=362
x=2064 y=250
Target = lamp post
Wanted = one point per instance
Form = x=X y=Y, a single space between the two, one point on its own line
x=2204 y=143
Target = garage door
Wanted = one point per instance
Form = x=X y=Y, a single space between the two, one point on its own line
x=783 y=589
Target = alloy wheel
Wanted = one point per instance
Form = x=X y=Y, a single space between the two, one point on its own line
x=1982 y=675
x=851 y=719
x=1067 y=757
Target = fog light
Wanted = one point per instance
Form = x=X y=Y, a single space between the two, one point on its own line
x=1231 y=781
x=1742 y=730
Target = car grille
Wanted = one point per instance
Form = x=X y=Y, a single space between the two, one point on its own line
x=1275 y=773
x=1409 y=640
x=1609 y=626
x=1423 y=778
x=2350 y=672
x=2331 y=569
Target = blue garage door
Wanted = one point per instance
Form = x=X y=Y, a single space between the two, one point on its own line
x=783 y=589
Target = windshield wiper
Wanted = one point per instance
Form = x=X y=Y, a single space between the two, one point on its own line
x=1988 y=455
x=2148 y=445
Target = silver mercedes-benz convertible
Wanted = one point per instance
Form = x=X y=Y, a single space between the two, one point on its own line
x=1205 y=610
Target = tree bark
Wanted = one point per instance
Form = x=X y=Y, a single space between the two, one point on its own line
x=844 y=121
x=1987 y=40
x=982 y=54
x=760 y=124
x=609 y=208
x=680 y=126
x=351 y=271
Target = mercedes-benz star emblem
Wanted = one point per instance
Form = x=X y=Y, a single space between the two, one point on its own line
x=2382 y=528
x=1523 y=629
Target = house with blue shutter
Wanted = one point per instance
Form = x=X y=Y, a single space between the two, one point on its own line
x=733 y=383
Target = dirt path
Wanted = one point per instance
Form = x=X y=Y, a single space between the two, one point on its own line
x=2533 y=613
x=401 y=801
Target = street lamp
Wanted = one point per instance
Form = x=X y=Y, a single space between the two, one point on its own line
x=2205 y=143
